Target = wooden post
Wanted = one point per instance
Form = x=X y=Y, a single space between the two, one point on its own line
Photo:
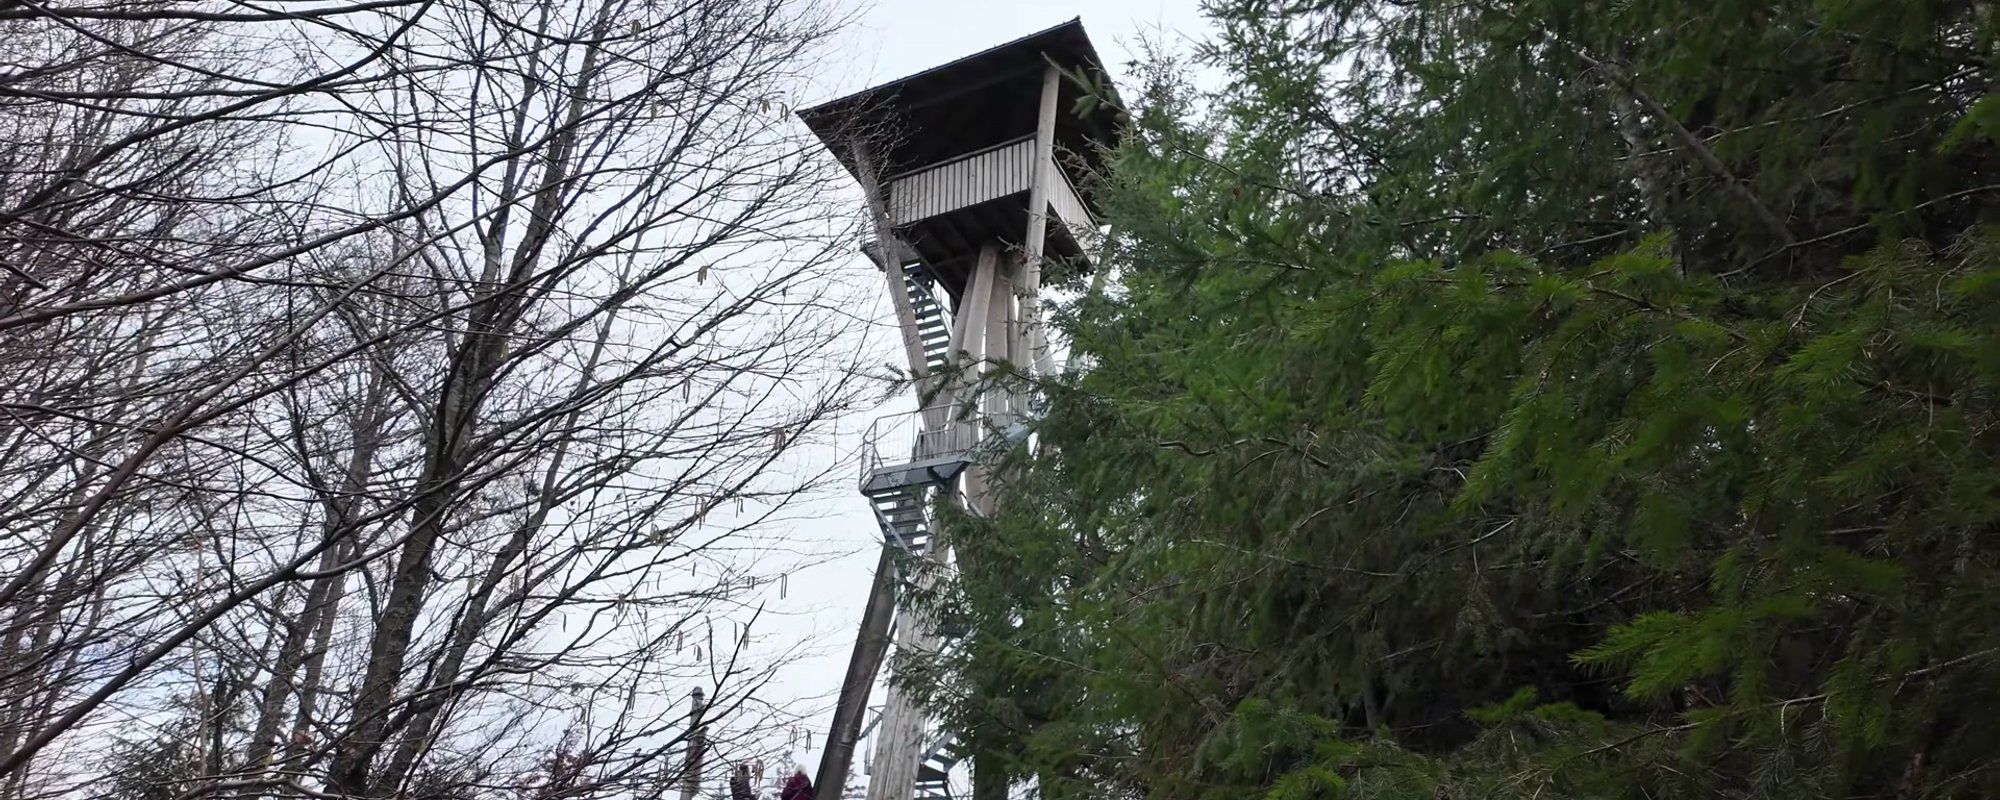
x=974 y=324
x=1001 y=339
x=968 y=331
x=968 y=344
x=869 y=649
x=1036 y=241
x=893 y=776
x=697 y=747
x=1021 y=316
x=902 y=725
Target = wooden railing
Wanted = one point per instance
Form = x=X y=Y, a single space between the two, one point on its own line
x=968 y=180
x=964 y=181
x=1068 y=205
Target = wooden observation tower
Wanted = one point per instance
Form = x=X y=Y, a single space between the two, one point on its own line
x=973 y=173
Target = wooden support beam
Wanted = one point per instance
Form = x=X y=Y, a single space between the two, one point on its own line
x=901 y=744
x=1001 y=340
x=1020 y=335
x=899 y=293
x=887 y=241
x=968 y=331
x=1036 y=241
x=971 y=336
x=871 y=646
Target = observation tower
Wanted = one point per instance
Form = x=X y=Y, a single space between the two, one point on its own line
x=973 y=173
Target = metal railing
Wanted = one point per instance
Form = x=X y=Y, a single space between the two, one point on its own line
x=920 y=435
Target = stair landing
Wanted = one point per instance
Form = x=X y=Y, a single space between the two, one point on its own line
x=924 y=472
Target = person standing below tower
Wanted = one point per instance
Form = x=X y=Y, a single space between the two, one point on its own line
x=797 y=787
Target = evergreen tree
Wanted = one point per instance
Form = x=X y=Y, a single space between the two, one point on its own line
x=1558 y=398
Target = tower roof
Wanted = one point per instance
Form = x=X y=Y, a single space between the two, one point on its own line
x=975 y=102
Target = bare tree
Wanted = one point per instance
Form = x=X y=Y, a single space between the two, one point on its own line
x=383 y=383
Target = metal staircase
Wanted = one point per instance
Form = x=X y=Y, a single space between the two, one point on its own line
x=905 y=456
x=905 y=517
x=909 y=461
x=933 y=321
x=933 y=324
x=934 y=774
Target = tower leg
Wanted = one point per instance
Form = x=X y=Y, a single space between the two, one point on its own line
x=869 y=648
x=1035 y=354
x=893 y=776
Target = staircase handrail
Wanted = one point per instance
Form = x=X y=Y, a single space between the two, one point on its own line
x=914 y=436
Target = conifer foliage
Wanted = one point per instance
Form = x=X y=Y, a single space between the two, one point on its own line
x=1542 y=399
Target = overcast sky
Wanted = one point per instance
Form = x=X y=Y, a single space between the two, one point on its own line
x=895 y=38
x=892 y=39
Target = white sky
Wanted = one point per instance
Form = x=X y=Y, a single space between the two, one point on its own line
x=891 y=39
x=894 y=38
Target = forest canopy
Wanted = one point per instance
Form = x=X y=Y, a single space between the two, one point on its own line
x=1560 y=398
